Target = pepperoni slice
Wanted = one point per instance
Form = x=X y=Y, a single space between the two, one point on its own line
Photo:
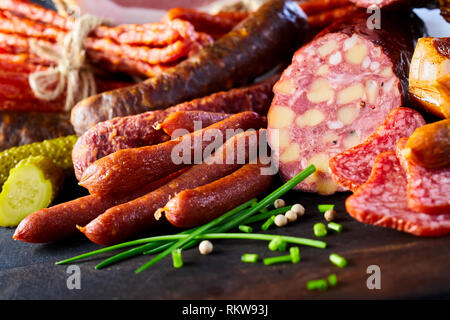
x=352 y=168
x=381 y=201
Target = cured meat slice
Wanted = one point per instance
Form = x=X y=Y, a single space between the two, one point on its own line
x=381 y=201
x=352 y=167
x=339 y=88
x=428 y=189
x=140 y=130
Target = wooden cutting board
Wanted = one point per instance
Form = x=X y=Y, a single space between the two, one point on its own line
x=410 y=267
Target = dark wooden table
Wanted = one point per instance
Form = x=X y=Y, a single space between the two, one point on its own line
x=411 y=267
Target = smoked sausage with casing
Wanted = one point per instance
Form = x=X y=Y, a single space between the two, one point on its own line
x=128 y=169
x=259 y=43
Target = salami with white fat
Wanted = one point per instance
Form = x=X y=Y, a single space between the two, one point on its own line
x=337 y=91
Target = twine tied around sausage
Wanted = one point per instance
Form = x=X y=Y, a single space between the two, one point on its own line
x=72 y=70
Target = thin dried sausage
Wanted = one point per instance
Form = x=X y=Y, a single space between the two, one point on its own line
x=128 y=169
x=139 y=130
x=194 y=207
x=60 y=221
x=134 y=217
x=189 y=121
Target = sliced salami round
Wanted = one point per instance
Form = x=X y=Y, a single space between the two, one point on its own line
x=337 y=91
x=352 y=167
x=381 y=201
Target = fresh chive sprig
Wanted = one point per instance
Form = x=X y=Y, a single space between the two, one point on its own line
x=337 y=260
x=325 y=207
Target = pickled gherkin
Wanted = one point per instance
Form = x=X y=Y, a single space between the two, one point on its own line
x=58 y=150
x=32 y=185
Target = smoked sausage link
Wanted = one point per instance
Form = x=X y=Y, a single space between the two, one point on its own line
x=128 y=169
x=186 y=121
x=258 y=44
x=132 y=218
x=140 y=130
x=60 y=221
x=339 y=88
x=194 y=207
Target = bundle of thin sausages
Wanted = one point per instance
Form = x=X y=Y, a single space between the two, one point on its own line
x=135 y=49
x=143 y=50
x=23 y=117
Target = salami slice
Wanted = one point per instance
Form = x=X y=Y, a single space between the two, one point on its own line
x=352 y=167
x=381 y=201
x=337 y=91
x=428 y=189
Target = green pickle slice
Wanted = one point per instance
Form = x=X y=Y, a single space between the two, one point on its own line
x=32 y=185
x=58 y=150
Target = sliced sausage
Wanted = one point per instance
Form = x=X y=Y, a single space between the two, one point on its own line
x=381 y=201
x=128 y=169
x=339 y=88
x=255 y=46
x=139 y=130
x=428 y=189
x=352 y=167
